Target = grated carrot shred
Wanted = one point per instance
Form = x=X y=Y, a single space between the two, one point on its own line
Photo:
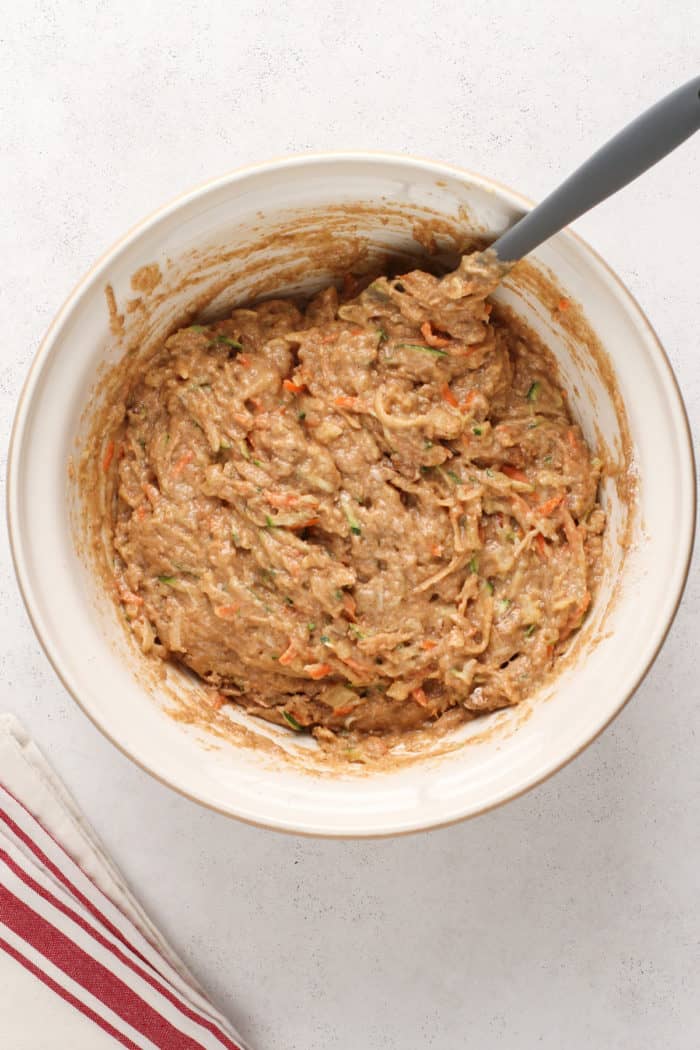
x=289 y=655
x=282 y=499
x=305 y=524
x=108 y=456
x=431 y=338
x=346 y=709
x=549 y=506
x=514 y=473
x=448 y=396
x=420 y=697
x=317 y=671
x=182 y=462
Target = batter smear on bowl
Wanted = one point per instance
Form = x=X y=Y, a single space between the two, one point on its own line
x=357 y=515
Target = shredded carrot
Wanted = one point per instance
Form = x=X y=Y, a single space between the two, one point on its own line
x=217 y=701
x=151 y=493
x=467 y=403
x=357 y=331
x=428 y=644
x=316 y=671
x=349 y=606
x=225 y=612
x=245 y=361
x=572 y=438
x=542 y=548
x=346 y=709
x=347 y=402
x=182 y=462
x=514 y=473
x=488 y=307
x=431 y=338
x=289 y=655
x=448 y=396
x=293 y=388
x=355 y=665
x=563 y=304
x=282 y=499
x=127 y=596
x=141 y=512
x=550 y=651
x=305 y=524
x=108 y=456
x=549 y=506
x=420 y=697
x=436 y=550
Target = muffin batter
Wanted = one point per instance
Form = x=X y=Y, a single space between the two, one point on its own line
x=354 y=515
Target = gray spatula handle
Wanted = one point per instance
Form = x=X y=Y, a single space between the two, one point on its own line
x=634 y=149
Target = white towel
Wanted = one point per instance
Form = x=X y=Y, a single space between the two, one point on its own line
x=81 y=964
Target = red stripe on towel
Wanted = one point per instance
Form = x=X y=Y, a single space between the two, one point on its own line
x=95 y=978
x=67 y=996
x=75 y=917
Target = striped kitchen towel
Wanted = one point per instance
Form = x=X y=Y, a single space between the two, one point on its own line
x=81 y=964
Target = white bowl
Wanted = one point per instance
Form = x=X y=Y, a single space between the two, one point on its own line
x=206 y=233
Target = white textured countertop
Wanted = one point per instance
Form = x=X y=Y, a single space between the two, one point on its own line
x=570 y=917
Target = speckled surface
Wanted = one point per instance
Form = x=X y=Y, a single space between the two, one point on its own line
x=570 y=917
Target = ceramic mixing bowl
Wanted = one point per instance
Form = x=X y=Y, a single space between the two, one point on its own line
x=292 y=225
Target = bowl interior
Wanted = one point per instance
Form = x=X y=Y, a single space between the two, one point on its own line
x=298 y=224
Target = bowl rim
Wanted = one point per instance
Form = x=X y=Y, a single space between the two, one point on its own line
x=232 y=176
